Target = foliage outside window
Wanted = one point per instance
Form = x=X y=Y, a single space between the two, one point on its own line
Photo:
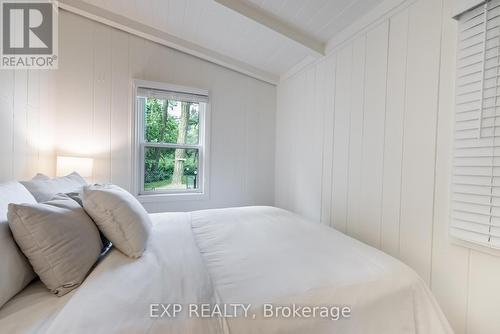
x=171 y=142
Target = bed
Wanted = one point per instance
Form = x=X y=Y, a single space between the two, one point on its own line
x=261 y=257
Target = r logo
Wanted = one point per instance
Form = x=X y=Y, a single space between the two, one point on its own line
x=27 y=28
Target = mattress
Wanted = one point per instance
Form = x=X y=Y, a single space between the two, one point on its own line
x=237 y=270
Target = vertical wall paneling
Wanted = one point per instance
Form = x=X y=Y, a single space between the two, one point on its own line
x=299 y=152
x=139 y=52
x=47 y=118
x=32 y=121
x=325 y=102
x=341 y=139
x=21 y=139
x=258 y=150
x=356 y=96
x=101 y=93
x=308 y=150
x=188 y=73
x=373 y=134
x=417 y=191
x=227 y=171
x=120 y=130
x=26 y=115
x=484 y=294
x=161 y=57
x=448 y=260
x=252 y=122
x=75 y=87
x=7 y=123
x=283 y=171
x=394 y=118
x=296 y=103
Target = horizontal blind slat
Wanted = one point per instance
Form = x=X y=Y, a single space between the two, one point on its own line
x=469 y=236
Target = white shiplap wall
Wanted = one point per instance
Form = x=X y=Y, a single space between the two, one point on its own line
x=26 y=123
x=94 y=105
x=380 y=169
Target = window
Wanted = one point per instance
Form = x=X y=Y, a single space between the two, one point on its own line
x=171 y=142
x=475 y=214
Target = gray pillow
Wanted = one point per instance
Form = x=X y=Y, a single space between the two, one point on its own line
x=44 y=188
x=59 y=239
x=119 y=216
x=15 y=270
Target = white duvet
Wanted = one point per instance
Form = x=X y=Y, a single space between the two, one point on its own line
x=262 y=258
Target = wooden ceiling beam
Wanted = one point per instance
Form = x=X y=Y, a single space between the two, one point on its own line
x=260 y=16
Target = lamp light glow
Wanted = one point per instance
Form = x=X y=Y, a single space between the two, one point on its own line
x=68 y=165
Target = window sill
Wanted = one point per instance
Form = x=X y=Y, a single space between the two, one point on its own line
x=158 y=198
x=473 y=246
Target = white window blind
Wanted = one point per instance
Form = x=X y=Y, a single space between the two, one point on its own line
x=172 y=95
x=475 y=215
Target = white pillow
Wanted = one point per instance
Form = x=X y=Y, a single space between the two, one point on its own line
x=15 y=270
x=60 y=240
x=44 y=188
x=119 y=216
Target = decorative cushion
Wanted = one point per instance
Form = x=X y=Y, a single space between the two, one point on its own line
x=44 y=188
x=106 y=244
x=119 y=216
x=15 y=270
x=59 y=239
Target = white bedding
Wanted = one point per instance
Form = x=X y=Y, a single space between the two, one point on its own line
x=251 y=255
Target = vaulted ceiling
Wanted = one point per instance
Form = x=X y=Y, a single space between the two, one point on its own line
x=321 y=19
x=270 y=35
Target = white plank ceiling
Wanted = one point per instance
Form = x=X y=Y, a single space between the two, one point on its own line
x=321 y=19
x=216 y=27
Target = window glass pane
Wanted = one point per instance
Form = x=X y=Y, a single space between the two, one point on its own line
x=171 y=122
x=170 y=169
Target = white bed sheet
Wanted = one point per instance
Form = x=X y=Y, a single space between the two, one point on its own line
x=251 y=255
x=32 y=310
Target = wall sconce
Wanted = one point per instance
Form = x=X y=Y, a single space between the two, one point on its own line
x=68 y=165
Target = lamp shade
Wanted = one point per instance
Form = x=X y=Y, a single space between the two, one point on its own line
x=68 y=165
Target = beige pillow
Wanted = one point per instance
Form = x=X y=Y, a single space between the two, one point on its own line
x=119 y=216
x=44 y=188
x=15 y=270
x=59 y=239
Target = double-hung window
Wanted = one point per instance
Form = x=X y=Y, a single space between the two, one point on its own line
x=475 y=214
x=171 y=140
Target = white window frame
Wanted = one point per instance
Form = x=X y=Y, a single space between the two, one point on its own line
x=139 y=144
